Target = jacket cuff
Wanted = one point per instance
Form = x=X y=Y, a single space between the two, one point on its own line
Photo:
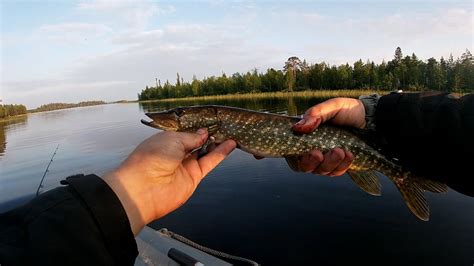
x=109 y=215
x=370 y=105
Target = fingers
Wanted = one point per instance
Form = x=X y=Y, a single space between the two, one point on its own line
x=331 y=160
x=341 y=111
x=326 y=110
x=192 y=141
x=307 y=124
x=309 y=162
x=344 y=165
x=334 y=163
x=213 y=158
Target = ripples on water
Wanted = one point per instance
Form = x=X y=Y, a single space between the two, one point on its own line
x=257 y=209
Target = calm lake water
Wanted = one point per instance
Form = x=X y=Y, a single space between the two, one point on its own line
x=253 y=208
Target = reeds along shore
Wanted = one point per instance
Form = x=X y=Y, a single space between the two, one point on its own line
x=304 y=94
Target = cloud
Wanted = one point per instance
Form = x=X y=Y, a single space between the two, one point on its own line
x=455 y=20
x=139 y=37
x=183 y=35
x=444 y=22
x=302 y=16
x=104 y=5
x=140 y=56
x=435 y=33
x=72 y=32
x=134 y=13
x=201 y=49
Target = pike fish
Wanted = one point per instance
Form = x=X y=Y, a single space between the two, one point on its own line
x=271 y=135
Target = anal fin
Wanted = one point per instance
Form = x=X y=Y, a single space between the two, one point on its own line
x=367 y=181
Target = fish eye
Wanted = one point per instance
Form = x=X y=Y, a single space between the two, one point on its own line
x=179 y=112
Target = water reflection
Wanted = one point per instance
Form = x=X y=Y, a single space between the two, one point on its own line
x=292 y=107
x=289 y=106
x=11 y=124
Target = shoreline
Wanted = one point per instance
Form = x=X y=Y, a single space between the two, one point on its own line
x=237 y=96
x=11 y=118
x=306 y=93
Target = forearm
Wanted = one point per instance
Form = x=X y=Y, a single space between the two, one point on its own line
x=134 y=197
x=430 y=133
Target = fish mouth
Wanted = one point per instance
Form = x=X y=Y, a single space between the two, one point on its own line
x=150 y=123
x=166 y=120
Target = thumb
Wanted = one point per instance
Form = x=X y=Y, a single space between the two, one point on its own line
x=316 y=115
x=307 y=124
x=192 y=141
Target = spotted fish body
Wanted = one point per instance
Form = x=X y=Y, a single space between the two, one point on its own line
x=271 y=135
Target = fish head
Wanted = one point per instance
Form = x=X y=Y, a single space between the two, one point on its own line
x=184 y=119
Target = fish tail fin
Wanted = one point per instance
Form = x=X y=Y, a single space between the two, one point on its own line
x=431 y=185
x=412 y=189
x=367 y=181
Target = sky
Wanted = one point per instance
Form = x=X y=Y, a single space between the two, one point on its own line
x=71 y=51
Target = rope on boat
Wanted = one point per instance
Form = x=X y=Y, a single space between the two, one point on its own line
x=205 y=249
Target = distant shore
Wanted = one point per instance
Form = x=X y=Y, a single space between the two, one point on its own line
x=304 y=94
x=59 y=106
x=50 y=107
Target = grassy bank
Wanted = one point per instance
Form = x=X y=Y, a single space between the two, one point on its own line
x=306 y=94
x=12 y=118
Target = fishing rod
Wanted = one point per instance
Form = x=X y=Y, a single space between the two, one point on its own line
x=47 y=169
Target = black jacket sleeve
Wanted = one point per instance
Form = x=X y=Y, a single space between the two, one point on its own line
x=430 y=133
x=82 y=223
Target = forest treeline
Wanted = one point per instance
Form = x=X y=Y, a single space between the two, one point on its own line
x=402 y=72
x=57 y=106
x=7 y=110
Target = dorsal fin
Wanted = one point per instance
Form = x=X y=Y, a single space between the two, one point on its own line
x=367 y=181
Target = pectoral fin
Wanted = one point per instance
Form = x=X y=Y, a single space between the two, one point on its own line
x=213 y=129
x=292 y=162
x=204 y=148
x=367 y=181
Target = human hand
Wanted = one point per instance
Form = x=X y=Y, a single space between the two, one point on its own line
x=161 y=174
x=337 y=111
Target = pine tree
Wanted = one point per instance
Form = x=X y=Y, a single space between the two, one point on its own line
x=291 y=66
x=398 y=55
